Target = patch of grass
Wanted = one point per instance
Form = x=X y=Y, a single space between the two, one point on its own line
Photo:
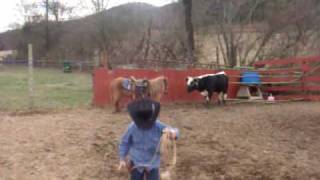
x=52 y=88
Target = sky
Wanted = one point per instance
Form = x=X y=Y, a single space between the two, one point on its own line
x=11 y=12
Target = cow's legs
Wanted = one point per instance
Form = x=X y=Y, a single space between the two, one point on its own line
x=207 y=96
x=224 y=97
x=204 y=93
x=220 y=98
x=207 y=99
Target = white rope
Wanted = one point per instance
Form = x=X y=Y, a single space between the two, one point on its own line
x=168 y=144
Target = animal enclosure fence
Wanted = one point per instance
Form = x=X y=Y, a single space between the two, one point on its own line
x=77 y=65
x=291 y=78
x=176 y=83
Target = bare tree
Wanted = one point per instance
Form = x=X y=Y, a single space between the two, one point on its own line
x=99 y=9
x=299 y=31
x=189 y=30
x=231 y=29
x=247 y=30
x=99 y=5
x=42 y=26
x=47 y=25
x=58 y=9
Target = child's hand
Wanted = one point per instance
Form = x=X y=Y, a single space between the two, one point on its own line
x=122 y=164
x=172 y=133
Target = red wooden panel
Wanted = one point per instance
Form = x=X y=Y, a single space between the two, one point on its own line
x=279 y=79
x=281 y=71
x=312 y=78
x=298 y=96
x=312 y=88
x=291 y=97
x=283 y=88
x=311 y=59
x=314 y=97
x=233 y=88
x=292 y=88
x=100 y=87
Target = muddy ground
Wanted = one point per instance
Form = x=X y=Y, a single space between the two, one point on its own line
x=243 y=141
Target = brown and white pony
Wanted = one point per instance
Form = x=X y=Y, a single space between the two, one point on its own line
x=157 y=87
x=118 y=91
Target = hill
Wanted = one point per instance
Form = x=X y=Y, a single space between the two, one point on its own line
x=226 y=32
x=124 y=32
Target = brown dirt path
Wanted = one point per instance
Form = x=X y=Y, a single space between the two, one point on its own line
x=246 y=142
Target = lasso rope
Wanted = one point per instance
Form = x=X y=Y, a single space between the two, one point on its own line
x=168 y=144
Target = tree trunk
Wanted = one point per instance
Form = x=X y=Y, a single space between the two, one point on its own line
x=146 y=54
x=189 y=30
x=47 y=26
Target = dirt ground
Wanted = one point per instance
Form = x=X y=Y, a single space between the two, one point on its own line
x=243 y=141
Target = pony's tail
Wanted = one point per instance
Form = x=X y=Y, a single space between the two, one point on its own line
x=165 y=82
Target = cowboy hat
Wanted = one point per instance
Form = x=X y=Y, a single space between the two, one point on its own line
x=144 y=112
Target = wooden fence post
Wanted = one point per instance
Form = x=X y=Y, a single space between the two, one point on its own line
x=30 y=75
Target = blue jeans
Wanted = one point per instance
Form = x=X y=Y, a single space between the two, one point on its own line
x=151 y=175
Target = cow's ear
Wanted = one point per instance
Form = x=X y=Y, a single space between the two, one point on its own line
x=187 y=78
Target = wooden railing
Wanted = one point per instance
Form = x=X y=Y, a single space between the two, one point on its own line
x=291 y=78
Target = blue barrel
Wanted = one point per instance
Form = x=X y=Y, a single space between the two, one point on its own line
x=250 y=78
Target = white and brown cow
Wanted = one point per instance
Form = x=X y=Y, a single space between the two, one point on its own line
x=208 y=84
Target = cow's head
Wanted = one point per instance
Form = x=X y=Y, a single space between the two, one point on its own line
x=192 y=83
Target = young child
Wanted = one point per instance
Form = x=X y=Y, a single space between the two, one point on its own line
x=139 y=146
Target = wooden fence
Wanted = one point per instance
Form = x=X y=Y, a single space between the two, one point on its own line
x=291 y=78
x=176 y=83
x=77 y=65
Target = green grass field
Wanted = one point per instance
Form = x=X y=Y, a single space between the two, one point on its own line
x=52 y=89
